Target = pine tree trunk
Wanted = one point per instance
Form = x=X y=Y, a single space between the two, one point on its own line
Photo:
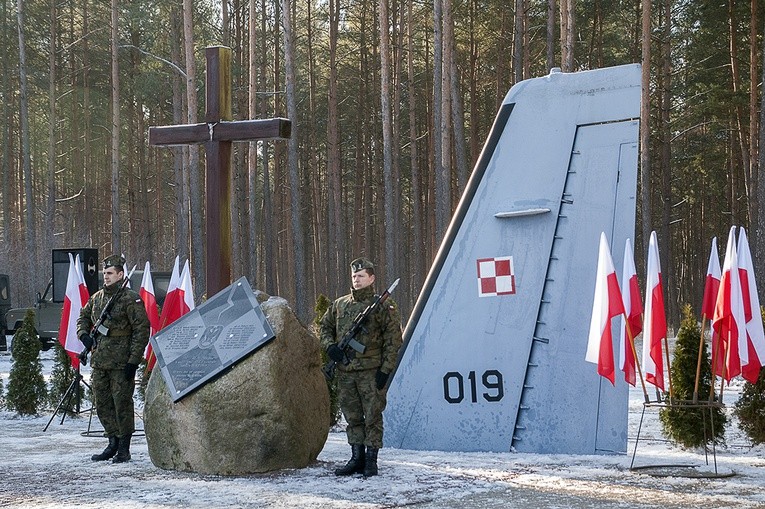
x=182 y=196
x=30 y=227
x=440 y=206
x=645 y=127
x=753 y=147
x=299 y=275
x=115 y=189
x=6 y=163
x=252 y=151
x=269 y=242
x=387 y=139
x=740 y=134
x=196 y=184
x=50 y=212
x=336 y=251
x=418 y=247
x=550 y=34
x=760 y=245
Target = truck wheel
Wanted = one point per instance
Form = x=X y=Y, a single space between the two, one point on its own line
x=46 y=343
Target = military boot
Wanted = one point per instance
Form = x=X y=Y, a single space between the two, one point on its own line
x=355 y=464
x=370 y=464
x=123 y=451
x=109 y=452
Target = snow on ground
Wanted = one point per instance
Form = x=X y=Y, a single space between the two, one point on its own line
x=52 y=469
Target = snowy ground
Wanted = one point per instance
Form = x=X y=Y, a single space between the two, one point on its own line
x=53 y=470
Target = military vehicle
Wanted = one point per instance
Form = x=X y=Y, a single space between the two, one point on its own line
x=49 y=305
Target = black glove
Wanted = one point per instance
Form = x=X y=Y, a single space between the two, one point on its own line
x=87 y=341
x=130 y=370
x=83 y=357
x=381 y=379
x=335 y=353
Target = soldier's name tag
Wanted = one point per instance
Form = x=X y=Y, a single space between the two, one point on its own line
x=103 y=330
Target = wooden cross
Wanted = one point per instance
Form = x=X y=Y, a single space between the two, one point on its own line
x=217 y=133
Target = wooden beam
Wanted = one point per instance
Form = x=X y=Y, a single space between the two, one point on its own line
x=179 y=134
x=249 y=130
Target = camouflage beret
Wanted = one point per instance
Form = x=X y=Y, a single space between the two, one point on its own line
x=360 y=264
x=116 y=261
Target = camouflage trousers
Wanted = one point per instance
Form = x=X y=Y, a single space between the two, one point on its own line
x=362 y=405
x=114 y=401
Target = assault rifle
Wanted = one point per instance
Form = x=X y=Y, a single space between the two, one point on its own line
x=99 y=329
x=348 y=343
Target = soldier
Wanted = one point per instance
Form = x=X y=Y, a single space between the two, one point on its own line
x=116 y=355
x=362 y=383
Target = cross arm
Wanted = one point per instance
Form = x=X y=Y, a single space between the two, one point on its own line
x=236 y=130
x=250 y=130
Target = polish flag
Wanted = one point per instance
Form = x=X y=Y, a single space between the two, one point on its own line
x=186 y=300
x=150 y=304
x=606 y=305
x=728 y=320
x=754 y=330
x=655 y=320
x=75 y=298
x=712 y=283
x=711 y=289
x=170 y=296
x=633 y=307
x=179 y=300
x=167 y=305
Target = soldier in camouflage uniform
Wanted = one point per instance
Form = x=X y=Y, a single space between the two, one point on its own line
x=116 y=356
x=362 y=384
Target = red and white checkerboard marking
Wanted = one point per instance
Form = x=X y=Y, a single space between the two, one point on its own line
x=496 y=276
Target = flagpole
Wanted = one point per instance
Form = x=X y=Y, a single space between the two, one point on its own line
x=669 y=368
x=634 y=356
x=715 y=353
x=726 y=354
x=698 y=363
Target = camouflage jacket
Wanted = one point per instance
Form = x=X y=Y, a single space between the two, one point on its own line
x=381 y=333
x=128 y=328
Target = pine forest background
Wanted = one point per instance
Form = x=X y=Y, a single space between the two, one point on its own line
x=390 y=100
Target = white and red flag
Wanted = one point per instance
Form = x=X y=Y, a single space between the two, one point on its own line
x=712 y=282
x=149 y=299
x=75 y=298
x=179 y=300
x=754 y=330
x=606 y=305
x=186 y=301
x=655 y=319
x=170 y=296
x=708 y=302
x=633 y=309
x=728 y=321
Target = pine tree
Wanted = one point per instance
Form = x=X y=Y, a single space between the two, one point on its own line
x=690 y=427
x=60 y=380
x=750 y=407
x=26 y=385
x=322 y=304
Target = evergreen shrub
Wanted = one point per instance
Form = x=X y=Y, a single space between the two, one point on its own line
x=322 y=304
x=26 y=385
x=61 y=378
x=690 y=427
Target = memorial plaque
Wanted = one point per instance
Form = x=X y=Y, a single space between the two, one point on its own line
x=211 y=338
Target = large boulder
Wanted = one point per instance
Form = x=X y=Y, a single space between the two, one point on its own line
x=269 y=412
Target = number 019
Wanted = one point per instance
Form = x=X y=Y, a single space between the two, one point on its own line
x=454 y=386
